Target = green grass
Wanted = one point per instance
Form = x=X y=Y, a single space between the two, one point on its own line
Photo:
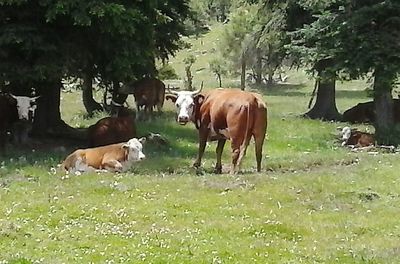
x=313 y=202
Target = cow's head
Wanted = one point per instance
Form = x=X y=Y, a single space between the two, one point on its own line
x=346 y=133
x=186 y=103
x=135 y=149
x=26 y=107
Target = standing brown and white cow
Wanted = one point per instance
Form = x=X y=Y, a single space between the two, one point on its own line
x=224 y=114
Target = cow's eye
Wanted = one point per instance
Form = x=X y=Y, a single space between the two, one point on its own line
x=177 y=105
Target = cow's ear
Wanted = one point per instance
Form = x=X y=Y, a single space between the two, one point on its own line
x=142 y=140
x=125 y=146
x=171 y=97
x=199 y=99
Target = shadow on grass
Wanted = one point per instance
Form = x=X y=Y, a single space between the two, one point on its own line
x=183 y=142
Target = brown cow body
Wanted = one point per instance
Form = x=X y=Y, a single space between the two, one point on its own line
x=227 y=114
x=148 y=93
x=110 y=130
x=365 y=112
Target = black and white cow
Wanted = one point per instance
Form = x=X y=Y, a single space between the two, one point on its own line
x=16 y=117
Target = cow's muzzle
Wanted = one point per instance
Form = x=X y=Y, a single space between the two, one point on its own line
x=182 y=120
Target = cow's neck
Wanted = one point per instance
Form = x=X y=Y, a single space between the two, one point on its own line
x=196 y=116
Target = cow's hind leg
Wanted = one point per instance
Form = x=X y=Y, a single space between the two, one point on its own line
x=259 y=132
x=220 y=148
x=258 y=144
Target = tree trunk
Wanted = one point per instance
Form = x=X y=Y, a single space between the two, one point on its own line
x=219 y=80
x=87 y=94
x=189 y=77
x=383 y=101
x=259 y=67
x=270 y=80
x=47 y=120
x=243 y=74
x=325 y=105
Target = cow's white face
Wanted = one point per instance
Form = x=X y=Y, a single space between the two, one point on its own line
x=135 y=149
x=185 y=107
x=346 y=133
x=26 y=107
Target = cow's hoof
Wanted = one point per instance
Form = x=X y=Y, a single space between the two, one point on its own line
x=218 y=170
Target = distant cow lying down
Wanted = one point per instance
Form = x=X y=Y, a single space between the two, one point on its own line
x=365 y=112
x=116 y=157
x=356 y=138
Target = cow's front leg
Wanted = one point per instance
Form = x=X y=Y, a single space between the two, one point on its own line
x=113 y=165
x=220 y=148
x=203 y=134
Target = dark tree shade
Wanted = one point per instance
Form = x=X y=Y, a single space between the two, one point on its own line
x=42 y=41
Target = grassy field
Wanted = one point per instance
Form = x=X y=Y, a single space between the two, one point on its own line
x=313 y=202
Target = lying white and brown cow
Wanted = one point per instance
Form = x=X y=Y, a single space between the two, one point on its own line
x=116 y=157
x=352 y=137
x=224 y=114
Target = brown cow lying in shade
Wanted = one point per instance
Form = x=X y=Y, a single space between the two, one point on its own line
x=115 y=157
x=365 y=112
x=113 y=129
x=352 y=137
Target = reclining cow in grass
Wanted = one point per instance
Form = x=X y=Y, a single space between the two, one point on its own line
x=223 y=114
x=115 y=157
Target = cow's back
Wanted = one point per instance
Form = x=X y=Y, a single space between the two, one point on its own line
x=220 y=103
x=149 y=91
x=111 y=130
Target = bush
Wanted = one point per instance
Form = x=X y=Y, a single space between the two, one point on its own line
x=166 y=72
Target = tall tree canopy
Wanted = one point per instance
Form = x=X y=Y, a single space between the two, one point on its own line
x=347 y=39
x=43 y=41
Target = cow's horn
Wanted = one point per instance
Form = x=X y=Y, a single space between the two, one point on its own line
x=199 y=90
x=170 y=91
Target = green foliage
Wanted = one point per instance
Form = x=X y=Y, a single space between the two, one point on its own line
x=167 y=72
x=236 y=37
x=212 y=9
x=112 y=39
x=217 y=66
x=189 y=60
